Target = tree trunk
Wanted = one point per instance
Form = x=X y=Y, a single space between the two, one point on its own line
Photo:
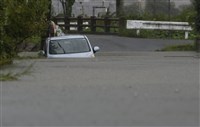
x=197 y=44
x=197 y=24
x=119 y=7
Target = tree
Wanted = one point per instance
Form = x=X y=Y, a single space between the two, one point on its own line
x=119 y=7
x=161 y=7
x=133 y=10
x=187 y=14
x=196 y=3
x=5 y=47
x=67 y=7
x=2 y=15
x=24 y=20
x=197 y=20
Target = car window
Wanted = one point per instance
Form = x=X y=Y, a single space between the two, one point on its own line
x=66 y=46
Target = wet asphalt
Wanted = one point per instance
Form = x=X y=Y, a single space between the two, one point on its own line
x=117 y=88
x=134 y=89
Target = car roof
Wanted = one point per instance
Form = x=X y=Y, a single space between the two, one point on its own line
x=67 y=37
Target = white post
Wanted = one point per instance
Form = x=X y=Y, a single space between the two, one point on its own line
x=138 y=32
x=186 y=34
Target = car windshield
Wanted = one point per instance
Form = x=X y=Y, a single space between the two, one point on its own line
x=66 y=46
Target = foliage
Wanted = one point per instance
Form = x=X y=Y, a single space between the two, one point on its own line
x=8 y=77
x=25 y=20
x=186 y=47
x=187 y=14
x=20 y=20
x=157 y=7
x=161 y=34
x=153 y=10
x=196 y=4
x=5 y=61
x=133 y=9
x=119 y=8
x=158 y=10
x=14 y=76
x=2 y=13
x=4 y=47
x=197 y=20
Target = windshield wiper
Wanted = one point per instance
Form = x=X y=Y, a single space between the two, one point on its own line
x=61 y=48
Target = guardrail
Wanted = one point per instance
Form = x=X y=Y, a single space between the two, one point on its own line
x=159 y=25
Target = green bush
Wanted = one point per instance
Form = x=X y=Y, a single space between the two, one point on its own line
x=128 y=33
x=5 y=61
x=20 y=22
x=186 y=47
x=161 y=34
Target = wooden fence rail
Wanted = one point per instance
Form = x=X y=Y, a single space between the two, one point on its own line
x=91 y=25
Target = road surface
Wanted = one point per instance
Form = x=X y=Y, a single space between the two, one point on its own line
x=113 y=89
x=109 y=43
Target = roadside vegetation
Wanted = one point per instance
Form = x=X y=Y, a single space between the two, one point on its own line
x=10 y=76
x=25 y=22
x=21 y=22
x=185 y=47
x=160 y=10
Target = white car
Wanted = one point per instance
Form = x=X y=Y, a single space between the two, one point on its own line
x=69 y=46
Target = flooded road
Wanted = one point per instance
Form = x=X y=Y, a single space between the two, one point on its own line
x=113 y=89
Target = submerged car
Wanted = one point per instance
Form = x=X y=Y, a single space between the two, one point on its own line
x=69 y=46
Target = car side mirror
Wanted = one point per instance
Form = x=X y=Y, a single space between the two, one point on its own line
x=96 y=49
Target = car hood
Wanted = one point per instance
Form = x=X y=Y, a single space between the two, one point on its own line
x=73 y=55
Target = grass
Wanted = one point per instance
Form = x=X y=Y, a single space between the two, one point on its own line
x=29 y=57
x=8 y=77
x=5 y=62
x=158 y=34
x=34 y=40
x=15 y=76
x=185 y=47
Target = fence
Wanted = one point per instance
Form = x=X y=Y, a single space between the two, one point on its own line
x=114 y=25
x=91 y=25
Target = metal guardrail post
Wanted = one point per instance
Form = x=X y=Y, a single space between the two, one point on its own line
x=186 y=34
